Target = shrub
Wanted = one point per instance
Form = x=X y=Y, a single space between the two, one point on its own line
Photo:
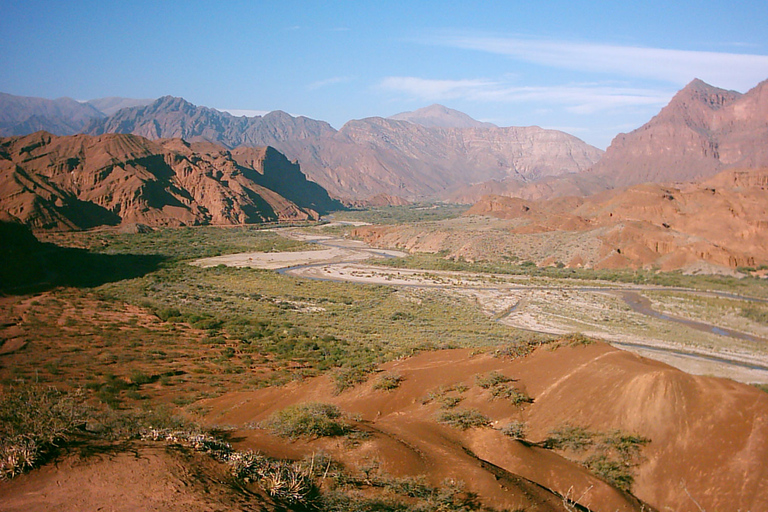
x=510 y=393
x=464 y=419
x=388 y=381
x=347 y=377
x=308 y=420
x=33 y=422
x=491 y=379
x=570 y=437
x=515 y=429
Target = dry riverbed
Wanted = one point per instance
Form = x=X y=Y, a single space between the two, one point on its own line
x=542 y=305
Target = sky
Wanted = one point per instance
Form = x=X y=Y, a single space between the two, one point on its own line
x=592 y=69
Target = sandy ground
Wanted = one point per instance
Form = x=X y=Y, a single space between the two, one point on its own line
x=499 y=296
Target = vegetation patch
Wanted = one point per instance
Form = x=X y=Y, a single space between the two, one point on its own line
x=388 y=381
x=464 y=419
x=311 y=419
x=447 y=397
x=610 y=455
x=515 y=430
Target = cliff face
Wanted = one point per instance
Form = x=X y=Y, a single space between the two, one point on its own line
x=701 y=132
x=81 y=181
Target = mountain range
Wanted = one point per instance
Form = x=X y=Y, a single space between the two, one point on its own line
x=430 y=153
x=82 y=181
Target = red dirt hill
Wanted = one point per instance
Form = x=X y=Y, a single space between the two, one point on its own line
x=707 y=436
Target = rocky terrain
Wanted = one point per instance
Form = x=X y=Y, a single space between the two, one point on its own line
x=720 y=221
x=81 y=181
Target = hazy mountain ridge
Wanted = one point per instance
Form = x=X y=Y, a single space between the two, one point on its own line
x=81 y=181
x=439 y=116
x=372 y=156
x=21 y=115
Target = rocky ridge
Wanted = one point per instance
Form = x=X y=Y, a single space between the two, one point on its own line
x=79 y=182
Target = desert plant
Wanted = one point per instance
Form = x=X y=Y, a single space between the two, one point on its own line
x=388 y=381
x=511 y=393
x=464 y=419
x=33 y=422
x=491 y=379
x=515 y=430
x=570 y=437
x=311 y=419
x=347 y=377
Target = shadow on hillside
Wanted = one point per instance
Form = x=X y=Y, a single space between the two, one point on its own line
x=29 y=266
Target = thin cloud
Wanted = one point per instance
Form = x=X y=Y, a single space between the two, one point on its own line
x=731 y=70
x=578 y=98
x=329 y=81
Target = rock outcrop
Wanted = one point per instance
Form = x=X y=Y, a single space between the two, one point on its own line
x=81 y=181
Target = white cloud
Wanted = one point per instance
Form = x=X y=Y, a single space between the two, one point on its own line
x=739 y=71
x=576 y=98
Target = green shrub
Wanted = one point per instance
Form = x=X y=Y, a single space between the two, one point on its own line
x=570 y=437
x=464 y=419
x=347 y=377
x=388 y=381
x=308 y=420
x=491 y=379
x=511 y=393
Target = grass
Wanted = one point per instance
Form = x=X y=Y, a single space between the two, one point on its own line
x=515 y=430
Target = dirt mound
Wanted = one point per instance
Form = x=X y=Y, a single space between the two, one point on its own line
x=81 y=181
x=707 y=436
x=150 y=478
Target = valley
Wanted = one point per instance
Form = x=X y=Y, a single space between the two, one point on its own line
x=620 y=314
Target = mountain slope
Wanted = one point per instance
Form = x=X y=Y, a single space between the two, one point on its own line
x=112 y=104
x=21 y=115
x=81 y=181
x=702 y=131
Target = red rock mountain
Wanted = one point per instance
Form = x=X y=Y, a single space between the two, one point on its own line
x=373 y=156
x=701 y=132
x=81 y=181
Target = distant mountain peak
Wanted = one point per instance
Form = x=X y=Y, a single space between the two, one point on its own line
x=440 y=116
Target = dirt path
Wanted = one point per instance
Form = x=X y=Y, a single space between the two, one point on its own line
x=502 y=297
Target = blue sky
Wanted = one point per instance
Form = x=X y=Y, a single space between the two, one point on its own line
x=593 y=69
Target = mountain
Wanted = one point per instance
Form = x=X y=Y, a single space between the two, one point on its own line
x=373 y=156
x=81 y=181
x=170 y=117
x=702 y=131
x=438 y=116
x=21 y=115
x=112 y=104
